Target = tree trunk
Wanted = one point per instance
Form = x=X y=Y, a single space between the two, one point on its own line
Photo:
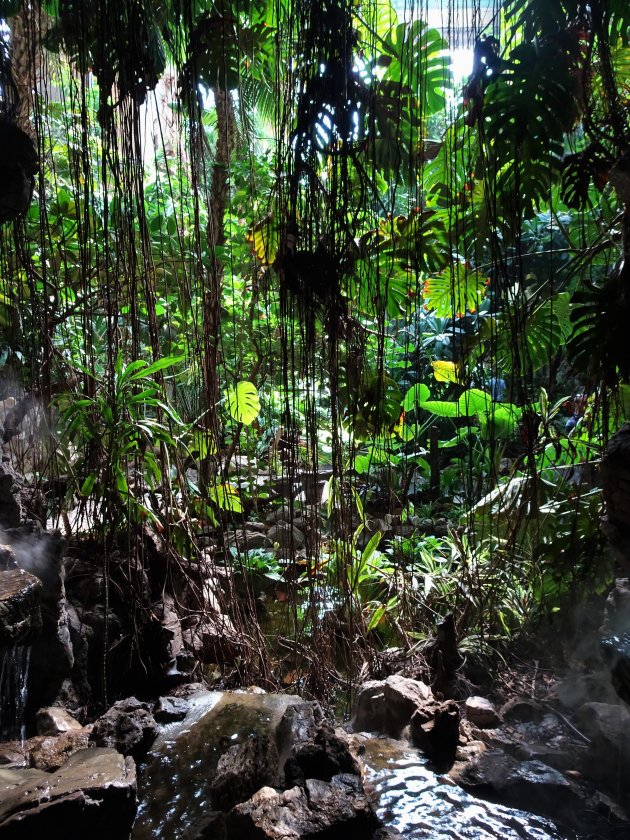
x=216 y=239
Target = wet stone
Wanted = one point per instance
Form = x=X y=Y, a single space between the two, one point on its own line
x=482 y=713
x=168 y=709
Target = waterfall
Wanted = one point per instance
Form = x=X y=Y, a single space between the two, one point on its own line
x=13 y=690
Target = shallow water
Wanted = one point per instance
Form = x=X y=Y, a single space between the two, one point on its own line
x=174 y=784
x=422 y=804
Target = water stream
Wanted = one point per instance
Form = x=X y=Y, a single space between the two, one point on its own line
x=422 y=804
x=14 y=667
x=174 y=784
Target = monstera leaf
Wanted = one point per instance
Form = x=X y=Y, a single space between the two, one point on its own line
x=264 y=239
x=455 y=291
x=243 y=402
x=600 y=317
x=418 y=241
x=375 y=409
x=527 y=109
x=411 y=66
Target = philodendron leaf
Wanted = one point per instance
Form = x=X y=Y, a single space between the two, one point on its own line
x=225 y=497
x=441 y=408
x=415 y=395
x=243 y=402
x=446 y=371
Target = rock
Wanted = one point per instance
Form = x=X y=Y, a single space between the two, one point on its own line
x=92 y=795
x=247 y=539
x=387 y=705
x=287 y=535
x=521 y=710
x=439 y=737
x=10 y=506
x=299 y=725
x=20 y=614
x=191 y=749
x=51 y=660
x=258 y=527
x=50 y=752
x=166 y=613
x=530 y=785
x=618 y=607
x=210 y=826
x=608 y=756
x=7 y=558
x=213 y=638
x=614 y=470
x=481 y=713
x=128 y=726
x=53 y=720
x=13 y=754
x=168 y=709
x=320 y=811
x=243 y=769
x=284 y=513
x=326 y=756
x=616 y=651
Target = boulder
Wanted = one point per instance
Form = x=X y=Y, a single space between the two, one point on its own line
x=128 y=727
x=168 y=709
x=20 y=615
x=387 y=705
x=10 y=505
x=299 y=725
x=438 y=737
x=522 y=710
x=50 y=752
x=246 y=540
x=284 y=513
x=13 y=754
x=481 y=713
x=92 y=795
x=576 y=689
x=7 y=558
x=618 y=607
x=608 y=757
x=190 y=751
x=243 y=769
x=530 y=785
x=53 y=720
x=319 y=811
x=287 y=535
x=327 y=755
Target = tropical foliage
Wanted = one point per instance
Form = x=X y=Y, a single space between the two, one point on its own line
x=278 y=246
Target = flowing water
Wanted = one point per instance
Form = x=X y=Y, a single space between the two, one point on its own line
x=174 y=785
x=422 y=804
x=13 y=687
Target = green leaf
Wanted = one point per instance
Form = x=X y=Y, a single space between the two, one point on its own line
x=88 y=485
x=456 y=290
x=415 y=395
x=243 y=402
x=376 y=617
x=160 y=364
x=203 y=444
x=474 y=401
x=441 y=408
x=225 y=497
x=370 y=548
